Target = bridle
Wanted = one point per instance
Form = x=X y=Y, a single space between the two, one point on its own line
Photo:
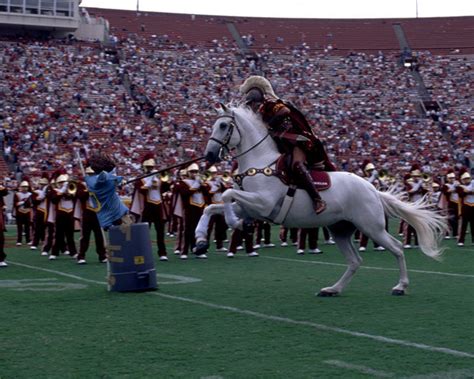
x=225 y=142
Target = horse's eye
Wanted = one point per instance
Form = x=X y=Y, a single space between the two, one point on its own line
x=223 y=125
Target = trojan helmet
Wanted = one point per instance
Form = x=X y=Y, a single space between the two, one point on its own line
x=258 y=82
x=24 y=183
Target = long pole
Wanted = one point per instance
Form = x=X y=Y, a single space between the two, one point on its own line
x=187 y=163
x=416 y=8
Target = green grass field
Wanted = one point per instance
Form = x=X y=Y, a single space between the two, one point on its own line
x=239 y=318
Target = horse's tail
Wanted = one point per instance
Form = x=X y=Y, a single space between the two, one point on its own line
x=430 y=226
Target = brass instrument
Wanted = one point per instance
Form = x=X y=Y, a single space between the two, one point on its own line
x=426 y=177
x=165 y=177
x=226 y=176
x=206 y=176
x=71 y=188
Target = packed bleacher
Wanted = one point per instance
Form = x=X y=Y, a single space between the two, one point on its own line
x=61 y=97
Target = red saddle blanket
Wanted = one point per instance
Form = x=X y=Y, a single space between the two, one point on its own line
x=321 y=178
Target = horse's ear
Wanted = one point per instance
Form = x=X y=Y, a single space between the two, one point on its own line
x=224 y=107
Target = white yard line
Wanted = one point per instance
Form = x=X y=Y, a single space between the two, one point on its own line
x=369 y=267
x=326 y=328
x=359 y=368
x=323 y=327
x=453 y=374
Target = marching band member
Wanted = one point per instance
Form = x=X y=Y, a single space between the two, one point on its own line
x=177 y=213
x=89 y=223
x=217 y=221
x=192 y=191
x=64 y=198
x=466 y=192
x=283 y=234
x=263 y=233
x=40 y=207
x=148 y=203
x=50 y=215
x=435 y=195
x=3 y=256
x=23 y=206
x=415 y=191
x=312 y=235
x=453 y=203
x=372 y=176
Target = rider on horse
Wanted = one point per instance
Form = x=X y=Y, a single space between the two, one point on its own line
x=292 y=133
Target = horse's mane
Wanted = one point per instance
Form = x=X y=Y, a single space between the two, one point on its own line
x=254 y=118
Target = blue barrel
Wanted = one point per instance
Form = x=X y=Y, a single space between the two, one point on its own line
x=131 y=265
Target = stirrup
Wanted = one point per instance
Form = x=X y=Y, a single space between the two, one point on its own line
x=319 y=206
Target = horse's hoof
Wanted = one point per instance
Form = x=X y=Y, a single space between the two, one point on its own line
x=398 y=292
x=201 y=247
x=327 y=294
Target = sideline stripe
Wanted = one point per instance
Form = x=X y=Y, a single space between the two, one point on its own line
x=326 y=328
x=175 y=279
x=370 y=267
x=359 y=368
x=286 y=320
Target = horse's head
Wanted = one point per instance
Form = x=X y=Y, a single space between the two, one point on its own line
x=225 y=134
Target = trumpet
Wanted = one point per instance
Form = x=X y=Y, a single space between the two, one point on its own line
x=426 y=177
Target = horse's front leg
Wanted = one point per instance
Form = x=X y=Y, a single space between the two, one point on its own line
x=202 y=244
x=246 y=200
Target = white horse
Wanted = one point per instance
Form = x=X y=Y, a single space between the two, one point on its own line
x=352 y=202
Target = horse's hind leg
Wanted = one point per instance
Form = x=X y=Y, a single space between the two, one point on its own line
x=396 y=248
x=342 y=234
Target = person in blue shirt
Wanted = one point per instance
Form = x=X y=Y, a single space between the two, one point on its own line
x=103 y=191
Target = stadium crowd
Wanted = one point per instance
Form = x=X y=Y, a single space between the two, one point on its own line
x=58 y=98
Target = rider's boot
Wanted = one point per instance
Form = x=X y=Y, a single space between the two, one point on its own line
x=306 y=181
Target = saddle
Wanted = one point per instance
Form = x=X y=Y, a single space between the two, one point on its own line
x=321 y=178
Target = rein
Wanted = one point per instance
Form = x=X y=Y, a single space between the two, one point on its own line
x=224 y=144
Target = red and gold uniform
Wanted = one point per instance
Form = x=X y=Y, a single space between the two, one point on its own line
x=192 y=191
x=414 y=189
x=453 y=202
x=148 y=203
x=22 y=204
x=64 y=202
x=40 y=210
x=466 y=193
x=3 y=256
x=217 y=222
